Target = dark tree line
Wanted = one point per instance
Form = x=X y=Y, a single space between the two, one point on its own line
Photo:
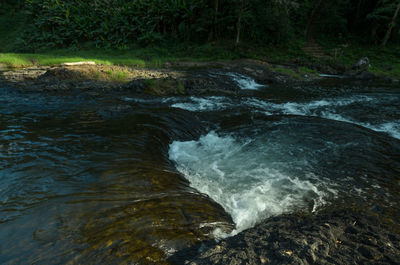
x=10 y=5
x=117 y=23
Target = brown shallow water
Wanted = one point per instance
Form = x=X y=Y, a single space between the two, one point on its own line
x=87 y=179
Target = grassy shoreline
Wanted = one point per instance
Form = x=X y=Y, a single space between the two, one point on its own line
x=383 y=61
x=135 y=56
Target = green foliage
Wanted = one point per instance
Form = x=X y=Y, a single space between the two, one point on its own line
x=269 y=21
x=11 y=27
x=110 y=23
x=120 y=23
x=126 y=24
x=333 y=20
x=381 y=16
x=10 y=6
x=384 y=11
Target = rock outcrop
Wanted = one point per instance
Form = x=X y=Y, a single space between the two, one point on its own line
x=338 y=237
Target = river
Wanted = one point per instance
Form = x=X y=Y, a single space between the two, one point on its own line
x=112 y=178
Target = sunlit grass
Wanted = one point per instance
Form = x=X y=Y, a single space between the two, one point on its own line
x=117 y=75
x=138 y=57
x=14 y=60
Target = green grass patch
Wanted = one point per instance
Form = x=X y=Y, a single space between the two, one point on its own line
x=287 y=71
x=135 y=56
x=383 y=60
x=117 y=75
x=146 y=57
x=391 y=71
x=305 y=70
x=15 y=60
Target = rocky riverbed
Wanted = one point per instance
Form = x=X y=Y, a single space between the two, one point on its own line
x=359 y=233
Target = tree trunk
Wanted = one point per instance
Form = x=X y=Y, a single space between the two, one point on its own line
x=358 y=13
x=356 y=21
x=391 y=25
x=239 y=23
x=216 y=19
x=313 y=16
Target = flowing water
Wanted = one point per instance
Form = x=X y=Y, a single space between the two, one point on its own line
x=88 y=178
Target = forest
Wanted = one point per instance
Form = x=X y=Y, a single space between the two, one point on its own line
x=122 y=23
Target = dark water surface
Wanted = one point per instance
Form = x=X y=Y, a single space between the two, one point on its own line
x=89 y=178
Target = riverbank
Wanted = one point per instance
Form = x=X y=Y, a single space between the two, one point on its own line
x=303 y=57
x=179 y=78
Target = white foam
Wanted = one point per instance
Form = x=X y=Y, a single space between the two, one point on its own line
x=392 y=128
x=332 y=76
x=240 y=175
x=148 y=100
x=305 y=108
x=204 y=104
x=328 y=109
x=245 y=82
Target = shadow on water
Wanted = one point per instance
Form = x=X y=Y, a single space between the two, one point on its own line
x=94 y=184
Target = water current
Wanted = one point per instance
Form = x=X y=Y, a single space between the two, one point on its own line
x=90 y=178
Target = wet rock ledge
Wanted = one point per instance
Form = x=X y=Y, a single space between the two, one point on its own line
x=337 y=237
x=172 y=79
